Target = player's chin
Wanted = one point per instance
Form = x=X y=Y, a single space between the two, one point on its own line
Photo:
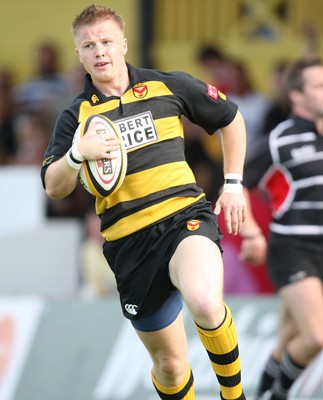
x=102 y=74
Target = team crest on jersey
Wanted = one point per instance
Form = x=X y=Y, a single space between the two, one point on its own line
x=140 y=91
x=193 y=224
x=95 y=99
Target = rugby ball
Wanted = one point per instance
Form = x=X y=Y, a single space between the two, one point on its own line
x=102 y=177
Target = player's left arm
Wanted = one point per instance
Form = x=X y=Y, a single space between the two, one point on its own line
x=232 y=202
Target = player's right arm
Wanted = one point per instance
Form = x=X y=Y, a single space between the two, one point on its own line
x=61 y=178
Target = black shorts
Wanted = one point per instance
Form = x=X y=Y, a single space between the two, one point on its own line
x=140 y=261
x=291 y=259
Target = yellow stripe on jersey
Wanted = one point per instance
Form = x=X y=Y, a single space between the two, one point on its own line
x=154 y=89
x=146 y=182
x=148 y=216
x=86 y=109
x=170 y=127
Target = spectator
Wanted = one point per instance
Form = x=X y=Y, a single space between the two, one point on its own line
x=42 y=92
x=253 y=105
x=280 y=108
x=7 y=141
x=31 y=133
x=217 y=67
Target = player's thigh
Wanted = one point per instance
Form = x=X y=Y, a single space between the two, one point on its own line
x=196 y=265
x=304 y=302
x=196 y=269
x=168 y=346
x=287 y=330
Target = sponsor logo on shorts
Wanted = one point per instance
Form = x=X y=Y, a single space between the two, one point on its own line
x=137 y=130
x=131 y=309
x=298 y=276
x=193 y=224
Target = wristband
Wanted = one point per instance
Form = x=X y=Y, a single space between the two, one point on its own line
x=232 y=188
x=232 y=183
x=233 y=178
x=74 y=157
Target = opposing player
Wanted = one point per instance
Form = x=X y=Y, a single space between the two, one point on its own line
x=290 y=170
x=162 y=236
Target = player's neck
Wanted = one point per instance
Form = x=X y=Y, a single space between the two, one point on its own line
x=114 y=87
x=319 y=126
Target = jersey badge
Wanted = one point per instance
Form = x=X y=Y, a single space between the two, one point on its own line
x=95 y=99
x=140 y=91
x=193 y=224
x=212 y=91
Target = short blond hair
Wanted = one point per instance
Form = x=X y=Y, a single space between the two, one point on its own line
x=94 y=13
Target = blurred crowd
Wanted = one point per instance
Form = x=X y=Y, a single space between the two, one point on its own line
x=28 y=111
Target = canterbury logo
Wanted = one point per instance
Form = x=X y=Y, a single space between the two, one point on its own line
x=95 y=99
x=131 y=309
x=193 y=224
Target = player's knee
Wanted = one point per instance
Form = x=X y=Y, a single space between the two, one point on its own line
x=314 y=340
x=207 y=309
x=171 y=369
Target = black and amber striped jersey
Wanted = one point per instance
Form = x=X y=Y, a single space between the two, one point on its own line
x=289 y=168
x=158 y=181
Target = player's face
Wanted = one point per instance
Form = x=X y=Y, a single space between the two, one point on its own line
x=101 y=48
x=312 y=94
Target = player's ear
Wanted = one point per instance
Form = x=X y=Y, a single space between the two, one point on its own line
x=78 y=54
x=125 y=46
x=295 y=96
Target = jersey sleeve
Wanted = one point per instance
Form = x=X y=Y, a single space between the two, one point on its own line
x=61 y=140
x=202 y=103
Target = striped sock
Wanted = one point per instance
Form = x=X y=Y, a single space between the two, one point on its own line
x=269 y=374
x=185 y=391
x=289 y=372
x=221 y=345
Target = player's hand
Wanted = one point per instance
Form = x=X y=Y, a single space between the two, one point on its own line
x=233 y=206
x=253 y=249
x=96 y=147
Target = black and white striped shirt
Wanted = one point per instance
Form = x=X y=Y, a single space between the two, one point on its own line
x=289 y=168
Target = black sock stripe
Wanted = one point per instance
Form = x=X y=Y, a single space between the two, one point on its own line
x=229 y=381
x=180 y=395
x=223 y=359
